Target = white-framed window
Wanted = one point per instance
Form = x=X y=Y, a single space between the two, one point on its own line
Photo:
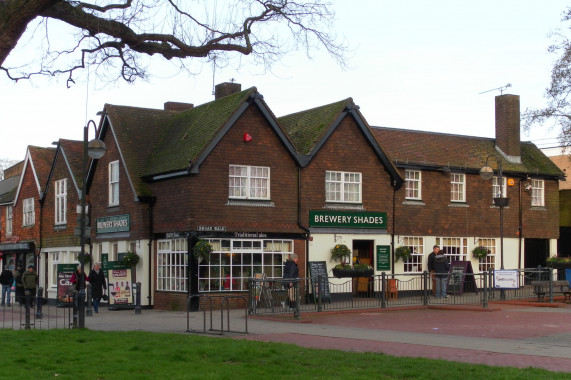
x=233 y=262
x=29 y=216
x=457 y=187
x=61 y=201
x=490 y=261
x=413 y=181
x=54 y=260
x=114 y=183
x=248 y=182
x=455 y=248
x=172 y=264
x=344 y=187
x=537 y=192
x=9 y=219
x=416 y=245
x=496 y=187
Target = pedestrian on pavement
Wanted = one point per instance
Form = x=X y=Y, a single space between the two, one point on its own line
x=79 y=279
x=441 y=267
x=435 y=250
x=98 y=285
x=291 y=274
x=30 y=283
x=19 y=286
x=6 y=279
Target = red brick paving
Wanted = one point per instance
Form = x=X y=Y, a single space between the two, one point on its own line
x=501 y=321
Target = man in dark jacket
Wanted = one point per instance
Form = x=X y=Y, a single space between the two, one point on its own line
x=291 y=273
x=441 y=267
x=6 y=279
x=98 y=285
x=30 y=282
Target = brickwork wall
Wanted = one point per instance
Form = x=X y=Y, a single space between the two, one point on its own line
x=60 y=235
x=347 y=150
x=98 y=196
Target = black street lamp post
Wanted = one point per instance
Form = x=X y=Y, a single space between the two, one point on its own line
x=500 y=201
x=95 y=149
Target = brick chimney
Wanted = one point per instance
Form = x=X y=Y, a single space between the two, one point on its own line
x=508 y=127
x=177 y=107
x=225 y=89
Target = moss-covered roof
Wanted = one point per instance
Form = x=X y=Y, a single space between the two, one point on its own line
x=437 y=150
x=189 y=132
x=306 y=128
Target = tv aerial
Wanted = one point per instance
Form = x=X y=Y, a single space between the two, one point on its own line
x=502 y=89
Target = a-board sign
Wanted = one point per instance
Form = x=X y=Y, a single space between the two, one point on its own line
x=64 y=292
x=461 y=278
x=320 y=288
x=383 y=257
x=120 y=286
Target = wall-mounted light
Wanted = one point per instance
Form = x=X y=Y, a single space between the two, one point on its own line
x=247 y=137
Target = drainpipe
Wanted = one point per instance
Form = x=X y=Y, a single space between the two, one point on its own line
x=520 y=226
x=301 y=225
x=393 y=232
x=150 y=200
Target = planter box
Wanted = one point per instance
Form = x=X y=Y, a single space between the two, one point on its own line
x=340 y=273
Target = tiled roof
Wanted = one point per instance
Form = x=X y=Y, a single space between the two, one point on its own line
x=42 y=159
x=439 y=150
x=189 y=132
x=306 y=128
x=8 y=188
x=137 y=131
x=73 y=151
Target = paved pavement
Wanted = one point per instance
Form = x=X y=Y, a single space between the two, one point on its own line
x=518 y=335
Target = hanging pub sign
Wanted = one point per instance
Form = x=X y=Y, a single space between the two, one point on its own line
x=347 y=219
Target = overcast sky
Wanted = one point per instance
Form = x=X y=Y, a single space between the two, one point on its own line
x=424 y=65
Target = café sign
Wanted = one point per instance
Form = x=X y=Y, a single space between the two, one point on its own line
x=347 y=219
x=116 y=223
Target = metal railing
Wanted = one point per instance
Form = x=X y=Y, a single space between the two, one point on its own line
x=323 y=293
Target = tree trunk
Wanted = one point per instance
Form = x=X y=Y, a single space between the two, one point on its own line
x=15 y=15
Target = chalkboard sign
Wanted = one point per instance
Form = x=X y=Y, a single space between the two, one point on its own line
x=458 y=281
x=321 y=289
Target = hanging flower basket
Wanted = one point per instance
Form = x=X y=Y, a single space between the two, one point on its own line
x=202 y=251
x=130 y=259
x=403 y=253
x=480 y=252
x=84 y=259
x=340 y=253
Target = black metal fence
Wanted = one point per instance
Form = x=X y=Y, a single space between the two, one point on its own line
x=323 y=293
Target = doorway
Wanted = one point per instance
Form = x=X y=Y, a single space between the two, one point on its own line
x=363 y=254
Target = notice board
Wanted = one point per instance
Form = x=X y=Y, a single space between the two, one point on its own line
x=320 y=285
x=461 y=278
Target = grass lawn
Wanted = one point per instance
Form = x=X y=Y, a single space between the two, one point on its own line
x=86 y=355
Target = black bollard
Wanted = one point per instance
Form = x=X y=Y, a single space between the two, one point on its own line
x=75 y=308
x=138 y=298
x=39 y=302
x=81 y=308
x=27 y=300
x=88 y=309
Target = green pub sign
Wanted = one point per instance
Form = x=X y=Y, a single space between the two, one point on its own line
x=347 y=219
x=383 y=257
x=116 y=223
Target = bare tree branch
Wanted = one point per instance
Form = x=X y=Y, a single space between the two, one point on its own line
x=123 y=33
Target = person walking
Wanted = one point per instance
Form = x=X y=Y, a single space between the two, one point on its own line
x=98 y=285
x=79 y=279
x=6 y=279
x=30 y=283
